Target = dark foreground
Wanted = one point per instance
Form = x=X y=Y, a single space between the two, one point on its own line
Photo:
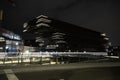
x=81 y=71
x=105 y=73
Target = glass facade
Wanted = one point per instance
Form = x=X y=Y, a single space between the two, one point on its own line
x=9 y=41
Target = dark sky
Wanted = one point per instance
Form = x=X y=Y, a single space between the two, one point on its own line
x=99 y=15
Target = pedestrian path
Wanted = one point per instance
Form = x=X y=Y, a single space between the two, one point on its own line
x=10 y=74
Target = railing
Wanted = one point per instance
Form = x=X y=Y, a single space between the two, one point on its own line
x=48 y=57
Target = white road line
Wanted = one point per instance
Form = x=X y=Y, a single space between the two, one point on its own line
x=10 y=74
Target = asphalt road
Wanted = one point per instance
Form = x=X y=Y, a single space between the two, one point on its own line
x=3 y=76
x=111 y=73
x=84 y=71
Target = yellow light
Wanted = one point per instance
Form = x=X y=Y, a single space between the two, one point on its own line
x=27 y=51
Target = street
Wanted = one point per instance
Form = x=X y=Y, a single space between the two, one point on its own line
x=81 y=71
x=2 y=76
x=111 y=73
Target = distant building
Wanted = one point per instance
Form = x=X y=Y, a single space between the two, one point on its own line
x=55 y=35
x=9 y=41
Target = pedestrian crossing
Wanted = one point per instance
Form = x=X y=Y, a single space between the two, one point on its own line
x=10 y=74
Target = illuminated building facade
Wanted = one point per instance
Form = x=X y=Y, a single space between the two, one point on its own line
x=10 y=41
x=55 y=35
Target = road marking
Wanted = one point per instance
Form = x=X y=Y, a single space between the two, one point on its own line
x=10 y=74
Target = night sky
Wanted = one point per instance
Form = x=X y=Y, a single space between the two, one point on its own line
x=99 y=15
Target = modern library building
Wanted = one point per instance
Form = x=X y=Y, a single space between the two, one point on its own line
x=56 y=35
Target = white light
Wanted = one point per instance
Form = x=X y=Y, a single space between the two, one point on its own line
x=60 y=41
x=84 y=52
x=58 y=33
x=57 y=38
x=25 y=25
x=41 y=44
x=16 y=43
x=24 y=30
x=1 y=47
x=43 y=20
x=69 y=50
x=42 y=24
x=57 y=45
x=103 y=34
x=16 y=37
x=6 y=47
x=27 y=51
x=2 y=39
x=8 y=35
x=39 y=41
x=42 y=16
x=110 y=43
x=106 y=38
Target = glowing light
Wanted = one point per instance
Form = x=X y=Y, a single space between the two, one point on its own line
x=41 y=44
x=58 y=33
x=27 y=51
x=84 y=51
x=25 y=25
x=16 y=43
x=43 y=20
x=1 y=47
x=103 y=34
x=24 y=30
x=51 y=46
x=2 y=39
x=106 y=38
x=60 y=41
x=42 y=16
x=42 y=24
x=6 y=47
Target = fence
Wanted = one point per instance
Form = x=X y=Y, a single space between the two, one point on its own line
x=47 y=57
